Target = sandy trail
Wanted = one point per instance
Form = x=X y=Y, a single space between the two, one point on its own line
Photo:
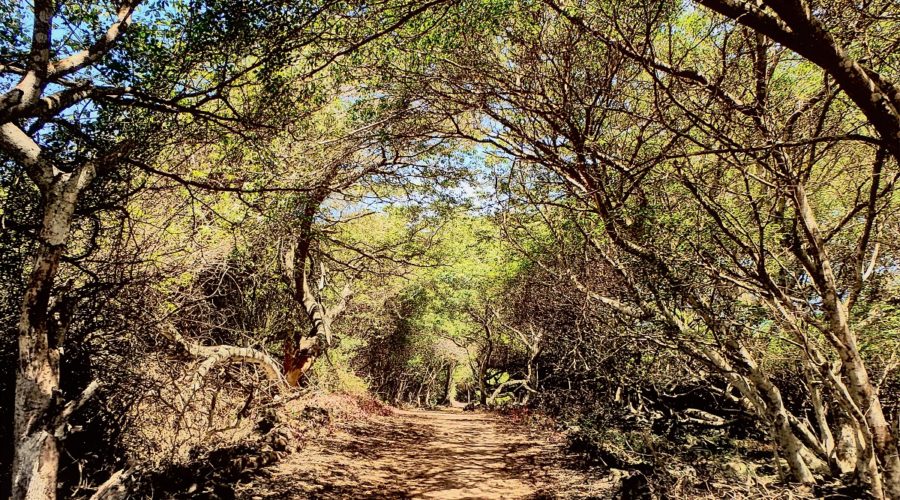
x=425 y=454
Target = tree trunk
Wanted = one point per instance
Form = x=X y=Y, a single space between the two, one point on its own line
x=300 y=353
x=820 y=410
x=449 y=388
x=845 y=343
x=485 y=360
x=36 y=453
x=300 y=357
x=482 y=386
x=860 y=439
x=482 y=374
x=779 y=417
x=769 y=405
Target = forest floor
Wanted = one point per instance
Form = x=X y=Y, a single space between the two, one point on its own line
x=440 y=454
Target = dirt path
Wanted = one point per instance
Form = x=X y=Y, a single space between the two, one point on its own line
x=427 y=454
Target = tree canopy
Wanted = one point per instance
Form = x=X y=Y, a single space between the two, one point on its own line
x=624 y=214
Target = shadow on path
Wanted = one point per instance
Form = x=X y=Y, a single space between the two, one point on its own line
x=419 y=454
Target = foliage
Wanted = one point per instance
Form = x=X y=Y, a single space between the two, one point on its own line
x=651 y=220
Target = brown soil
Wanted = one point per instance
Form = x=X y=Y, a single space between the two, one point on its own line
x=446 y=454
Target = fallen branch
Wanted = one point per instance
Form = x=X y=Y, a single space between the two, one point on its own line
x=499 y=389
x=114 y=487
x=215 y=355
x=72 y=406
x=700 y=417
x=230 y=354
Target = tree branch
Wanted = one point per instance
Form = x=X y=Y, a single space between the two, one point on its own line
x=100 y=47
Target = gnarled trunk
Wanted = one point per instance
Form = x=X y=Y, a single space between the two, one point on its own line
x=301 y=352
x=299 y=357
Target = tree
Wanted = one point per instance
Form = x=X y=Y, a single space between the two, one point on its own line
x=622 y=110
x=75 y=113
x=797 y=26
